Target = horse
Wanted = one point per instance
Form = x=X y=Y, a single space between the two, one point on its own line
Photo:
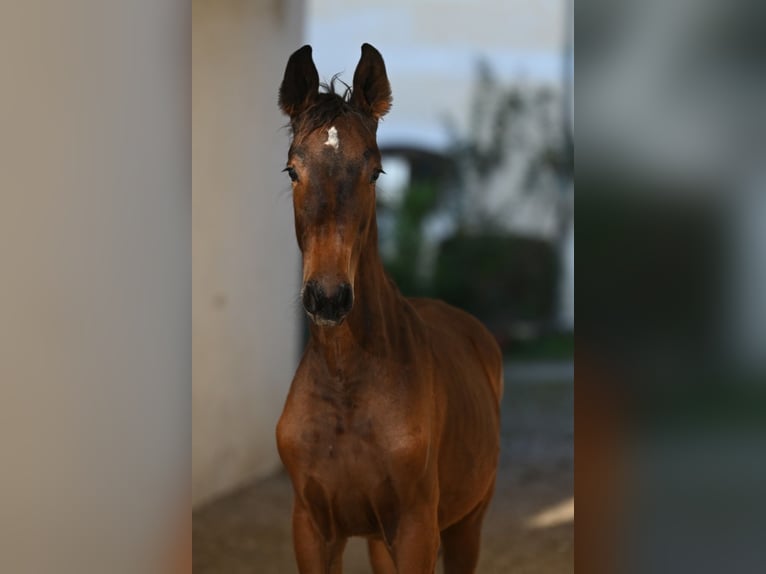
x=390 y=430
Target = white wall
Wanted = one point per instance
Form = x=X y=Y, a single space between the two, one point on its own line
x=245 y=261
x=431 y=48
x=95 y=220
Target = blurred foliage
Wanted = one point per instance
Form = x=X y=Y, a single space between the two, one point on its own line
x=419 y=200
x=550 y=346
x=499 y=278
x=511 y=126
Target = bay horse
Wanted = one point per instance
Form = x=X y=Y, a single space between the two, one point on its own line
x=391 y=427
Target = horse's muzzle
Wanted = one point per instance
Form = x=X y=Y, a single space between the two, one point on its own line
x=327 y=306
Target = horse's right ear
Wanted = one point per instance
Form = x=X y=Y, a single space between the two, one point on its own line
x=300 y=85
x=372 y=92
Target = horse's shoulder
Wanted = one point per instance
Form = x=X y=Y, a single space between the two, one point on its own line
x=456 y=334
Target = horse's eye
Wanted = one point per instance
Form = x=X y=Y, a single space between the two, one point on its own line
x=291 y=172
x=376 y=175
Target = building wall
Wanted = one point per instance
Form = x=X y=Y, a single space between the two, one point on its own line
x=431 y=48
x=245 y=262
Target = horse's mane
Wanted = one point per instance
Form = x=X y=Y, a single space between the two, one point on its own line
x=328 y=105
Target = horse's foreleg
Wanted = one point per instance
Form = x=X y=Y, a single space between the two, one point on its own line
x=380 y=558
x=461 y=541
x=314 y=554
x=416 y=545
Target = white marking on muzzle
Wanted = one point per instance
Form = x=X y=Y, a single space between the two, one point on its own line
x=332 y=138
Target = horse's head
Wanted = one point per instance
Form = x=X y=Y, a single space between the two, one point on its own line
x=333 y=163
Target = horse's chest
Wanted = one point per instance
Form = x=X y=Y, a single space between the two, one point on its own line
x=345 y=460
x=343 y=441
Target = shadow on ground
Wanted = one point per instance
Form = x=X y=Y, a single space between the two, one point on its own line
x=528 y=529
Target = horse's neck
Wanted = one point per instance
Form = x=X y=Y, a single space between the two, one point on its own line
x=379 y=302
x=371 y=328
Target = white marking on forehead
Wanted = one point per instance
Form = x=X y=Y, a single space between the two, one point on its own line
x=332 y=138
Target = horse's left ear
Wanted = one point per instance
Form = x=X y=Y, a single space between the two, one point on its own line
x=372 y=92
x=300 y=85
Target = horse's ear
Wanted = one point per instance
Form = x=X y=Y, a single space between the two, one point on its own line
x=372 y=92
x=300 y=85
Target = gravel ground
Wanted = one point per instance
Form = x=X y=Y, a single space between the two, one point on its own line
x=528 y=529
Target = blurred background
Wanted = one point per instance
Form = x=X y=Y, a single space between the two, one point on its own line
x=671 y=292
x=476 y=208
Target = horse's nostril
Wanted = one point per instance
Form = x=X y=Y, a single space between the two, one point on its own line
x=310 y=297
x=345 y=297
